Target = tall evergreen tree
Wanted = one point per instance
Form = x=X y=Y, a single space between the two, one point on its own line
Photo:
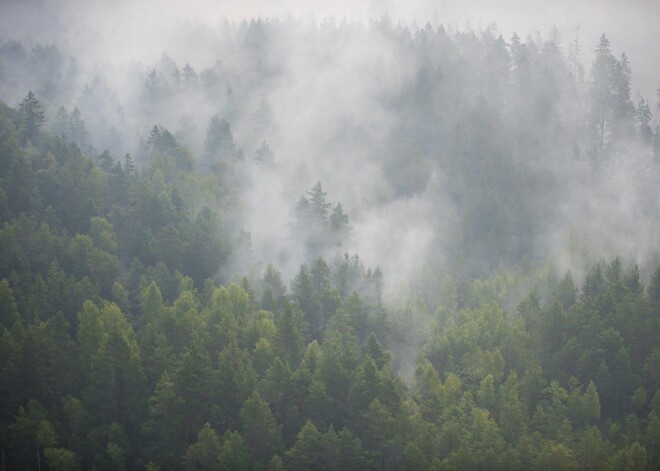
x=77 y=131
x=219 y=143
x=318 y=205
x=32 y=118
x=602 y=98
x=260 y=430
x=644 y=117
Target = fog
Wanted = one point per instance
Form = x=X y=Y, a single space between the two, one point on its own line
x=344 y=86
x=138 y=30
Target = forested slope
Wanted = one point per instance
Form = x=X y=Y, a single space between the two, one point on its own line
x=140 y=327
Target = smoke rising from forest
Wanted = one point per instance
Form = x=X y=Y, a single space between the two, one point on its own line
x=338 y=89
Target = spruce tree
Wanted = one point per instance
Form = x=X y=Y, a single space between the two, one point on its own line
x=33 y=118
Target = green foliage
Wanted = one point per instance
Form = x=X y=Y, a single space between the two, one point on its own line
x=219 y=144
x=289 y=340
x=315 y=227
x=260 y=430
x=8 y=309
x=234 y=453
x=205 y=453
x=122 y=340
x=308 y=450
x=32 y=118
x=61 y=459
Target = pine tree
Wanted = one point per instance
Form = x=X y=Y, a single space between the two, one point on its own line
x=219 y=143
x=574 y=54
x=654 y=292
x=129 y=167
x=289 y=339
x=204 y=455
x=60 y=125
x=318 y=205
x=230 y=105
x=163 y=430
x=265 y=156
x=261 y=433
x=273 y=290
x=235 y=381
x=602 y=98
x=644 y=117
x=624 y=110
x=277 y=387
x=234 y=454
x=307 y=452
x=190 y=77
x=152 y=92
x=8 y=309
x=116 y=376
x=32 y=118
x=77 y=132
x=338 y=219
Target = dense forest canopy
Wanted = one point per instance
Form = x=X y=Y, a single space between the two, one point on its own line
x=340 y=244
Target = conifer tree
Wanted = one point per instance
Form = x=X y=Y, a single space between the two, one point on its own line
x=32 y=118
x=644 y=117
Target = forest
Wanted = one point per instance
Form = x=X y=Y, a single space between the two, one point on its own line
x=336 y=245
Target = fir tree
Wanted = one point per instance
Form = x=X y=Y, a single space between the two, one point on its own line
x=32 y=118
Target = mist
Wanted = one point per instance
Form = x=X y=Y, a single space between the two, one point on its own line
x=329 y=235
x=342 y=84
